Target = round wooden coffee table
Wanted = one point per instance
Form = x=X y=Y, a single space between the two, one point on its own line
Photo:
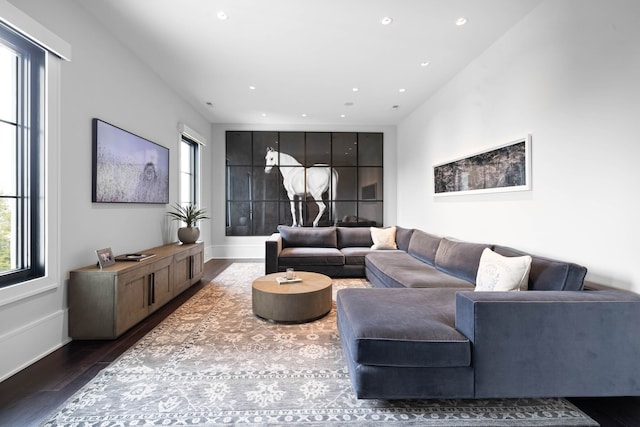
x=299 y=302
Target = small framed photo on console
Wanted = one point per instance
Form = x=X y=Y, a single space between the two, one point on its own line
x=105 y=257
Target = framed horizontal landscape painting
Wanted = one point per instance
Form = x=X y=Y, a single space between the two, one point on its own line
x=500 y=169
x=128 y=168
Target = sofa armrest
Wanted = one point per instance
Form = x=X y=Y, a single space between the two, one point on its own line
x=273 y=247
x=552 y=343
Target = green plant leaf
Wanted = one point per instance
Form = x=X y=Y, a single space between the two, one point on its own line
x=189 y=214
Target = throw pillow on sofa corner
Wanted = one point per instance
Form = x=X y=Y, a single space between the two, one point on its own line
x=500 y=273
x=383 y=238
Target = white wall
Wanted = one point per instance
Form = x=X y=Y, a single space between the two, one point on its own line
x=568 y=75
x=104 y=80
x=253 y=247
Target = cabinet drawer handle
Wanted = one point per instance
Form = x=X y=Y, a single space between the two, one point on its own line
x=152 y=288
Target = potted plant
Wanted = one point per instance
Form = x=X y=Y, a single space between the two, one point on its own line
x=190 y=215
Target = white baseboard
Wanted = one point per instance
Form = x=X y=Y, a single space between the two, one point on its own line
x=28 y=344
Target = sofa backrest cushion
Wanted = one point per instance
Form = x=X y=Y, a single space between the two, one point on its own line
x=403 y=237
x=424 y=246
x=548 y=274
x=318 y=237
x=460 y=259
x=354 y=237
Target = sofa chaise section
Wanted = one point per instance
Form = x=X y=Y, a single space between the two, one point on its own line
x=407 y=349
x=407 y=343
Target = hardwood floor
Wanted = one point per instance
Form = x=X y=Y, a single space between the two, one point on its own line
x=28 y=397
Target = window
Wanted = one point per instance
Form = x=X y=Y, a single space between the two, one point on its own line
x=21 y=158
x=345 y=167
x=188 y=171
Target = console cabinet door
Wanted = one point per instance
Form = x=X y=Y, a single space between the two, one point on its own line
x=183 y=272
x=132 y=298
x=197 y=265
x=160 y=284
x=189 y=268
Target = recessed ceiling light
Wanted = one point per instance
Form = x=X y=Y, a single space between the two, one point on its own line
x=343 y=115
x=424 y=64
x=355 y=89
x=402 y=90
x=252 y=87
x=222 y=16
x=461 y=21
x=386 y=20
x=264 y=114
x=304 y=115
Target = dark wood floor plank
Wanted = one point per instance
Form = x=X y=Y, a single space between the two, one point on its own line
x=30 y=396
x=611 y=411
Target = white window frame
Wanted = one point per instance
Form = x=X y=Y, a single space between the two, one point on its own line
x=58 y=51
x=190 y=135
x=24 y=198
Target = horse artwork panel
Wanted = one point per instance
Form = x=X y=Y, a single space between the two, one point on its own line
x=299 y=181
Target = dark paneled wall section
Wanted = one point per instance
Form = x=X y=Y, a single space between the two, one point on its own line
x=257 y=201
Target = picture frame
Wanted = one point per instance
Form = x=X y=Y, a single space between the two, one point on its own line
x=500 y=169
x=127 y=168
x=105 y=257
x=257 y=201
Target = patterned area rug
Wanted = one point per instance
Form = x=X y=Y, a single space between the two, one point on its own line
x=212 y=362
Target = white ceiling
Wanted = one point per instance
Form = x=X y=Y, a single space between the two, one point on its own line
x=306 y=56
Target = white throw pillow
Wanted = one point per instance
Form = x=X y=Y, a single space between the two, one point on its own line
x=500 y=273
x=383 y=238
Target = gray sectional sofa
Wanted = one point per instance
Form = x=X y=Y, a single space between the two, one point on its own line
x=424 y=332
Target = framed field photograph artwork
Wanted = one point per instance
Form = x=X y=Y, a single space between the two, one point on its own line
x=500 y=169
x=128 y=168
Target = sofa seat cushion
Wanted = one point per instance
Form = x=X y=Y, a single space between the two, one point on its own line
x=402 y=327
x=293 y=257
x=356 y=256
x=397 y=269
